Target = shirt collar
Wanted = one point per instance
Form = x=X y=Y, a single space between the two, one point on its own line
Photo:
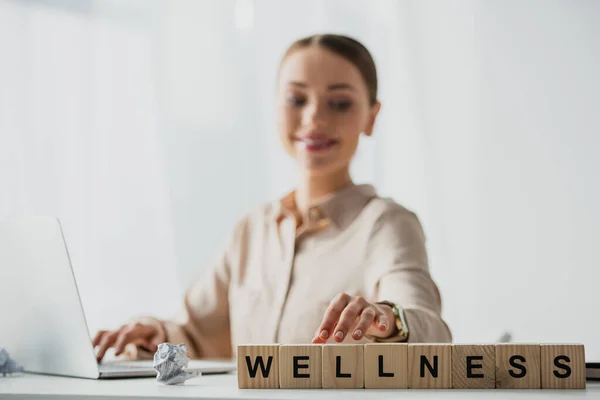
x=342 y=207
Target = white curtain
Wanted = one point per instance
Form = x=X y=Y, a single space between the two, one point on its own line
x=79 y=139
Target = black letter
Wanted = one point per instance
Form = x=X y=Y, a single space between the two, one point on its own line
x=433 y=371
x=381 y=373
x=259 y=360
x=470 y=366
x=298 y=366
x=521 y=367
x=567 y=369
x=338 y=367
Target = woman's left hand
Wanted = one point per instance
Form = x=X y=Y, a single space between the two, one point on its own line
x=356 y=315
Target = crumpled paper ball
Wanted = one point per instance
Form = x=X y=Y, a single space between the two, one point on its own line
x=169 y=363
x=7 y=364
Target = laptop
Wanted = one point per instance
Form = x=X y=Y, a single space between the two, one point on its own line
x=42 y=323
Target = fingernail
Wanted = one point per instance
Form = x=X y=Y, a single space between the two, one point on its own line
x=358 y=333
x=324 y=334
x=383 y=327
x=339 y=335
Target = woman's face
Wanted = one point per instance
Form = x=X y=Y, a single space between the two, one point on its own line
x=323 y=107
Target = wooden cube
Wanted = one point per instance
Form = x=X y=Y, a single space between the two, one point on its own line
x=473 y=366
x=430 y=366
x=386 y=365
x=518 y=366
x=343 y=366
x=563 y=366
x=258 y=366
x=300 y=366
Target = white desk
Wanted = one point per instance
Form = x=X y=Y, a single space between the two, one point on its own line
x=225 y=387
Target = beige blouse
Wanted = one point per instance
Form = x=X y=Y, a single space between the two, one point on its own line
x=274 y=280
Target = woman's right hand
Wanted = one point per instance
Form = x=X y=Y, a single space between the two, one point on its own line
x=142 y=335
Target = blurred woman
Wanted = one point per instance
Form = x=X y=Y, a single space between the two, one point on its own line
x=329 y=262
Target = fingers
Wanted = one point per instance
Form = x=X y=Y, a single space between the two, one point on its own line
x=107 y=340
x=350 y=315
x=366 y=319
x=137 y=334
x=381 y=320
x=348 y=318
x=98 y=337
x=331 y=317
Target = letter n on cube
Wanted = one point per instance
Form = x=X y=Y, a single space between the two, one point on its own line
x=429 y=366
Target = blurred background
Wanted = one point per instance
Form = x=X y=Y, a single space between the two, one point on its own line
x=148 y=127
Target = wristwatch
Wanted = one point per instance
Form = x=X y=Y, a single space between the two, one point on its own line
x=401 y=334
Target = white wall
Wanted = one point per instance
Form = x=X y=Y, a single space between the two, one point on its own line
x=79 y=139
x=148 y=127
x=537 y=181
x=506 y=138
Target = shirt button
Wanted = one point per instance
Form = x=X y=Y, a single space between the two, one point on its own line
x=314 y=214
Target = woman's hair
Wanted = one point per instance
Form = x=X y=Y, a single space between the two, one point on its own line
x=351 y=49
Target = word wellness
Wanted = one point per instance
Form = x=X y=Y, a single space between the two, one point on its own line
x=411 y=366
